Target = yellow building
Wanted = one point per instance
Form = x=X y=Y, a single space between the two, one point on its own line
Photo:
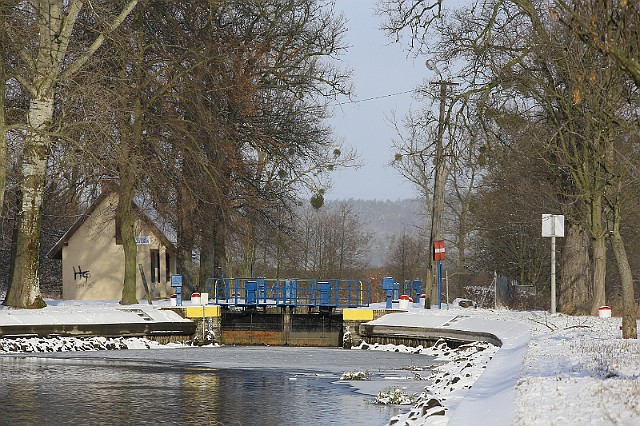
x=93 y=257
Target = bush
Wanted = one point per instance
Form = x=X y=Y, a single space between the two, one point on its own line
x=394 y=396
x=355 y=375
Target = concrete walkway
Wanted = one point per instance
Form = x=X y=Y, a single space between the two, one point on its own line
x=99 y=318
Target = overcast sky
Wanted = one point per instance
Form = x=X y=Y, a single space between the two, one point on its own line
x=380 y=68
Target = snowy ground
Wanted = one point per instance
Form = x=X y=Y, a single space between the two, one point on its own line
x=87 y=312
x=82 y=312
x=551 y=369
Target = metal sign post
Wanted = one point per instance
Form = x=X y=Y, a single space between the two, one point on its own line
x=176 y=282
x=438 y=255
x=553 y=226
x=439 y=284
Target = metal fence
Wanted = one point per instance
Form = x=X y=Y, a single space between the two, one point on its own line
x=507 y=289
x=288 y=292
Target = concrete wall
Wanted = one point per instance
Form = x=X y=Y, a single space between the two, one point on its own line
x=92 y=250
x=425 y=336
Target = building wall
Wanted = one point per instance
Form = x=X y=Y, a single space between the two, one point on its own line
x=93 y=264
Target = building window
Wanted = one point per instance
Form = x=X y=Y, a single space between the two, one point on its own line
x=155 y=265
x=167 y=264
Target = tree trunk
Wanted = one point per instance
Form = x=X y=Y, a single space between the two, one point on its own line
x=629 y=312
x=186 y=235
x=250 y=245
x=129 y=148
x=219 y=238
x=599 y=255
x=462 y=239
x=24 y=285
x=629 y=320
x=125 y=214
x=56 y=20
x=599 y=273
x=574 y=284
x=207 y=263
x=3 y=123
x=213 y=250
x=280 y=244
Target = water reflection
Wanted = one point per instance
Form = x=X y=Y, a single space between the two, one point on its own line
x=94 y=391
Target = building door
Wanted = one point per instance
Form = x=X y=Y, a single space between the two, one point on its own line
x=155 y=269
x=167 y=265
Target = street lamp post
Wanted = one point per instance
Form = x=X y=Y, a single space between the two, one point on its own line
x=440 y=177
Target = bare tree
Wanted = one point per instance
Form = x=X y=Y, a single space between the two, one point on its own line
x=524 y=63
x=468 y=170
x=256 y=126
x=335 y=242
x=506 y=209
x=45 y=62
x=405 y=259
x=610 y=27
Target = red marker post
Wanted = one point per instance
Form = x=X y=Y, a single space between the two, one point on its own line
x=438 y=255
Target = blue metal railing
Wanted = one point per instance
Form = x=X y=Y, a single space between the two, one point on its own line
x=412 y=288
x=288 y=292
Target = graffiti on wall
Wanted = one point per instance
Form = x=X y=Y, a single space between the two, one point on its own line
x=80 y=274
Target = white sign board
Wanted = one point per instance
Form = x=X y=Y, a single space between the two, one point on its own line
x=552 y=225
x=143 y=240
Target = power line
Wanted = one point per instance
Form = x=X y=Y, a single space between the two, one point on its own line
x=357 y=101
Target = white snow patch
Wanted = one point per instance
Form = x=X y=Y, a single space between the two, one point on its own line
x=75 y=344
x=87 y=312
x=551 y=369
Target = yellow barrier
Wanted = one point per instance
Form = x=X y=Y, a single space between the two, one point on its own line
x=202 y=311
x=357 y=314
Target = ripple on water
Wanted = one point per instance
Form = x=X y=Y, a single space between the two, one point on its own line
x=171 y=387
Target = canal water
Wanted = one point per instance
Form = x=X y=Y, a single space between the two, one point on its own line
x=214 y=386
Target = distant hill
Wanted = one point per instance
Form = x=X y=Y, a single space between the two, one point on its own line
x=387 y=220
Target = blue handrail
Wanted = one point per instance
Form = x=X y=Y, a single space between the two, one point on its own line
x=288 y=292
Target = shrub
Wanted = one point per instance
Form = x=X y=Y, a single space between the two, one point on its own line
x=355 y=375
x=394 y=396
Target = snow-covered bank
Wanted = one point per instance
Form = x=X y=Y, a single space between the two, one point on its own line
x=73 y=344
x=88 y=312
x=459 y=370
x=551 y=369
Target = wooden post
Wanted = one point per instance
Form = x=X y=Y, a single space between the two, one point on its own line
x=144 y=283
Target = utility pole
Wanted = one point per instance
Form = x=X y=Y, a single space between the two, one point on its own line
x=440 y=177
